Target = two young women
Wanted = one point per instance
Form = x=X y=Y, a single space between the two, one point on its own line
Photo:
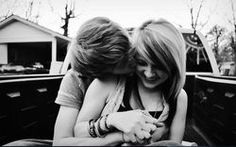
x=142 y=108
x=146 y=107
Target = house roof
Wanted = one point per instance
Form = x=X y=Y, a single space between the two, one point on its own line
x=14 y=18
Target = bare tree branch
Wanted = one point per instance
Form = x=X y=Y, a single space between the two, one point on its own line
x=69 y=13
x=195 y=15
x=28 y=12
x=198 y=12
x=233 y=37
x=9 y=8
x=202 y=25
x=191 y=13
x=234 y=20
x=52 y=9
x=192 y=19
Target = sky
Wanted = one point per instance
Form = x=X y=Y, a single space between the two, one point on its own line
x=131 y=13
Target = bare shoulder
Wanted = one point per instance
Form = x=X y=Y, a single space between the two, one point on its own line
x=106 y=83
x=101 y=87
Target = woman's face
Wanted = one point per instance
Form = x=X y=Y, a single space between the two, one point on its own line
x=150 y=75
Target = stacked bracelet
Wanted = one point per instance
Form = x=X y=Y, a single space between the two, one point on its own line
x=92 y=128
x=106 y=126
x=100 y=130
x=95 y=127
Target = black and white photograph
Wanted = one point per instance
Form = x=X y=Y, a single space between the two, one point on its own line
x=117 y=73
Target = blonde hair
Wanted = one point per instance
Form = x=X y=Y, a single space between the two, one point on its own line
x=161 y=44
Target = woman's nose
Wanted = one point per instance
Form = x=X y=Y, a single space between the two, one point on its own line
x=149 y=73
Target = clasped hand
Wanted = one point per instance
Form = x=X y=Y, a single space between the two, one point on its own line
x=137 y=125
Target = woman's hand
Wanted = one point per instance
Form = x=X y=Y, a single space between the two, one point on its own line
x=136 y=124
x=159 y=132
x=129 y=141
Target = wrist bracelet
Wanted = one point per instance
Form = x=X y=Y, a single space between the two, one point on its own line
x=100 y=130
x=105 y=121
x=92 y=132
x=97 y=128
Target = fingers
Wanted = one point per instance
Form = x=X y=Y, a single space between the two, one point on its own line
x=143 y=135
x=149 y=127
x=146 y=135
x=145 y=112
x=147 y=117
x=140 y=137
x=132 y=138
x=142 y=126
x=150 y=119
x=135 y=139
x=160 y=124
x=138 y=140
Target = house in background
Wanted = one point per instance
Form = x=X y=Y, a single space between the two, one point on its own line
x=25 y=43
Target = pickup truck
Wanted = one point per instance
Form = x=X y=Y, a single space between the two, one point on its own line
x=27 y=108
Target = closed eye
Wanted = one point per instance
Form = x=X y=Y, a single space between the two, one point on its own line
x=141 y=62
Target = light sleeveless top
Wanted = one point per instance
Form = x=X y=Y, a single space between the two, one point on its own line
x=115 y=99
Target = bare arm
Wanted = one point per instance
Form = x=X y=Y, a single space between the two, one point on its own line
x=178 y=124
x=130 y=122
x=64 y=136
x=92 y=107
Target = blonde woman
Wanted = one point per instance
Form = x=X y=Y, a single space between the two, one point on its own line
x=149 y=107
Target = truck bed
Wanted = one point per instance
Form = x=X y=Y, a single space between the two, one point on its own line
x=27 y=108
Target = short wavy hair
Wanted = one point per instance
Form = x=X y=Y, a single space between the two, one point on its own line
x=100 y=44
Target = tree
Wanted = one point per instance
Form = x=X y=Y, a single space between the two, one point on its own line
x=69 y=13
x=195 y=19
x=32 y=6
x=216 y=33
x=24 y=8
x=233 y=35
x=7 y=8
